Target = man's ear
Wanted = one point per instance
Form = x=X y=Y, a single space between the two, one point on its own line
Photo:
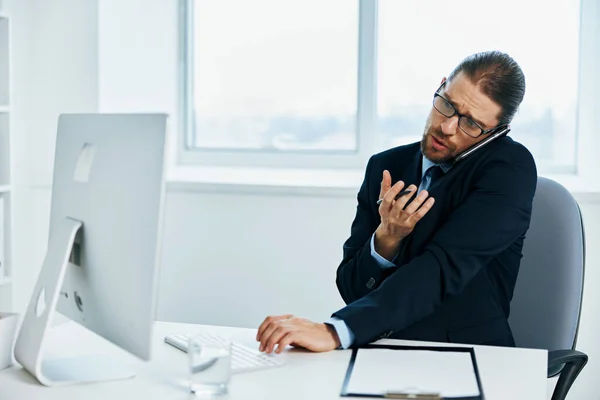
x=443 y=80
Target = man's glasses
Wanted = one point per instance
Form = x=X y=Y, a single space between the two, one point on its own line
x=466 y=124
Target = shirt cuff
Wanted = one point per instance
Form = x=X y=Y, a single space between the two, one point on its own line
x=344 y=333
x=383 y=263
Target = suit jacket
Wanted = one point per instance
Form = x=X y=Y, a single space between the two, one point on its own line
x=454 y=276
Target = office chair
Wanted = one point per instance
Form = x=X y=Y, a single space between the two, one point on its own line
x=546 y=304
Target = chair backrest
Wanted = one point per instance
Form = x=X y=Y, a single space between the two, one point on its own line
x=546 y=304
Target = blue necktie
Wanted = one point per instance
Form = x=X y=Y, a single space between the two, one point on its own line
x=430 y=176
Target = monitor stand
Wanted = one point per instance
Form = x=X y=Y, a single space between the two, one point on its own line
x=29 y=346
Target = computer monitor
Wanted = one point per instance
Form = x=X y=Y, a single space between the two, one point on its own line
x=102 y=264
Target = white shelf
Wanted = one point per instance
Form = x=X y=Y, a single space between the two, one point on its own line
x=5 y=281
x=4 y=109
x=5 y=188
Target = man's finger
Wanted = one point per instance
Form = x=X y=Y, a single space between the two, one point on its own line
x=388 y=199
x=416 y=203
x=386 y=183
x=268 y=321
x=267 y=334
x=416 y=217
x=401 y=202
x=285 y=341
x=275 y=338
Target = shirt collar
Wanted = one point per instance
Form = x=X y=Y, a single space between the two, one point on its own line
x=427 y=164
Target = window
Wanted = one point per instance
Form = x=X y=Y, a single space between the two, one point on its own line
x=269 y=77
x=274 y=75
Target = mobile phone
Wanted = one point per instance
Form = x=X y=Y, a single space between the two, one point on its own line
x=503 y=130
x=402 y=193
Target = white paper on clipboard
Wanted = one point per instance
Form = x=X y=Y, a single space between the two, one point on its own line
x=381 y=371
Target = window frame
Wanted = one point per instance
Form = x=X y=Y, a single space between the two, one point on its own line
x=579 y=178
x=583 y=177
x=366 y=108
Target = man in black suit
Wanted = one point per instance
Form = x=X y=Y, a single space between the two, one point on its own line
x=444 y=269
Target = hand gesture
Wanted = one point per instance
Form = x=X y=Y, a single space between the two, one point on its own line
x=397 y=218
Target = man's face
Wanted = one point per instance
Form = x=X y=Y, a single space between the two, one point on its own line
x=442 y=139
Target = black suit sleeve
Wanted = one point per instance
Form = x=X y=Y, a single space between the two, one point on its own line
x=358 y=270
x=495 y=213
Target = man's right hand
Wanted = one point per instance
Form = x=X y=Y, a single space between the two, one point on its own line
x=398 y=222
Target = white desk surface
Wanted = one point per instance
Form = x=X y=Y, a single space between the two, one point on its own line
x=506 y=373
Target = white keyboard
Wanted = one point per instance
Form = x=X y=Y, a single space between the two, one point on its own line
x=243 y=358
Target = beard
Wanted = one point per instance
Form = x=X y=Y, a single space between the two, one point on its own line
x=437 y=156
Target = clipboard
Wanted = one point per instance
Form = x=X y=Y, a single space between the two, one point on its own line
x=463 y=352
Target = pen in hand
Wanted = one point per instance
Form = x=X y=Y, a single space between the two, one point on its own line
x=402 y=193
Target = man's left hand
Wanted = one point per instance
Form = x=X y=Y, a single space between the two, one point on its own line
x=286 y=330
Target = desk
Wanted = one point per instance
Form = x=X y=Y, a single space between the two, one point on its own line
x=506 y=373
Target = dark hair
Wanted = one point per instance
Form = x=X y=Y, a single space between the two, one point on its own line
x=499 y=77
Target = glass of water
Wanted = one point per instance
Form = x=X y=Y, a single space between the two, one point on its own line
x=210 y=366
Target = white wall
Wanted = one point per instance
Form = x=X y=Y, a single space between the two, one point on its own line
x=232 y=254
x=586 y=386
x=233 y=258
x=54 y=70
x=138 y=57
